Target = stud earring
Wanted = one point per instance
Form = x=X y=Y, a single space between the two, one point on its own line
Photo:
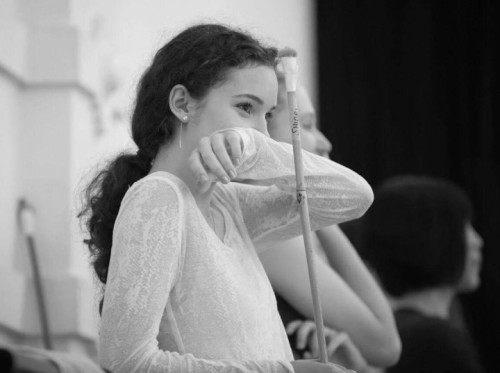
x=185 y=118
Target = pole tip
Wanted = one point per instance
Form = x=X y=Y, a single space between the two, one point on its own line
x=287 y=52
x=288 y=59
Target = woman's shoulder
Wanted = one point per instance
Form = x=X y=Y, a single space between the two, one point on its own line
x=432 y=344
x=411 y=318
x=156 y=190
x=415 y=326
x=157 y=182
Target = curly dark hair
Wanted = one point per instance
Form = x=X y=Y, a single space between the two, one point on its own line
x=414 y=233
x=198 y=58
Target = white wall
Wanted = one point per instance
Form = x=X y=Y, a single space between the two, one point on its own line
x=136 y=29
x=68 y=71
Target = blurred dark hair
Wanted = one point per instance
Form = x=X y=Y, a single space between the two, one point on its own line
x=198 y=58
x=414 y=233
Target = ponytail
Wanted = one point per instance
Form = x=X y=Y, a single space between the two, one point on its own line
x=102 y=200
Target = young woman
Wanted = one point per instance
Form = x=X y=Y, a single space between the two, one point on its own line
x=175 y=228
x=420 y=241
x=352 y=302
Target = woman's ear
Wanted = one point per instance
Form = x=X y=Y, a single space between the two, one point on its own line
x=178 y=100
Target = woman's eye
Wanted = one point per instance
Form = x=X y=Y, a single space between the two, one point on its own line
x=269 y=116
x=246 y=107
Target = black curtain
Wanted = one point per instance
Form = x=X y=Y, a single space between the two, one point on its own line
x=408 y=86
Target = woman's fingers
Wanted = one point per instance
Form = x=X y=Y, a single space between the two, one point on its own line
x=211 y=160
x=311 y=366
x=306 y=334
x=235 y=145
x=338 y=344
x=217 y=155
x=293 y=326
x=196 y=165
x=350 y=356
x=334 y=341
x=313 y=343
x=221 y=152
x=302 y=335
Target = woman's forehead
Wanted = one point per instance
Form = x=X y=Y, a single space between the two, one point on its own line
x=255 y=80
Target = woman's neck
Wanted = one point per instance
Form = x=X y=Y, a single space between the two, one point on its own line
x=431 y=302
x=173 y=159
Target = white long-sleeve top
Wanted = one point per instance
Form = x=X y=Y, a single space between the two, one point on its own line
x=179 y=298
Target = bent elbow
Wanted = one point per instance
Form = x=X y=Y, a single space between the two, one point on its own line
x=393 y=352
x=367 y=197
x=364 y=198
x=388 y=355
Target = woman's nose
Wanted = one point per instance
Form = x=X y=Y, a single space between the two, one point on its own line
x=261 y=126
x=478 y=240
x=323 y=145
x=474 y=241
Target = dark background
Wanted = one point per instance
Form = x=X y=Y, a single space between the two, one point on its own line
x=408 y=86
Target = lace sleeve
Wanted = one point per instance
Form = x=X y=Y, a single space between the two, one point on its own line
x=267 y=190
x=145 y=263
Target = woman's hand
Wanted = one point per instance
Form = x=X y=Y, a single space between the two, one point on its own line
x=340 y=348
x=215 y=158
x=313 y=366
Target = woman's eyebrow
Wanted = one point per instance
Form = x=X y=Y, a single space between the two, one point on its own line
x=252 y=97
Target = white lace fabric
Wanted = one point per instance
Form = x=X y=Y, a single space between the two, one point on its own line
x=181 y=299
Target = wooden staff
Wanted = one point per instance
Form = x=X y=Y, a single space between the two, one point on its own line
x=290 y=68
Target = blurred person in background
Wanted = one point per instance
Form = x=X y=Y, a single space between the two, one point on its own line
x=419 y=239
x=360 y=329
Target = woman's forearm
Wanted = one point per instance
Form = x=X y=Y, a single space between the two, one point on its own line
x=266 y=184
x=343 y=257
x=371 y=330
